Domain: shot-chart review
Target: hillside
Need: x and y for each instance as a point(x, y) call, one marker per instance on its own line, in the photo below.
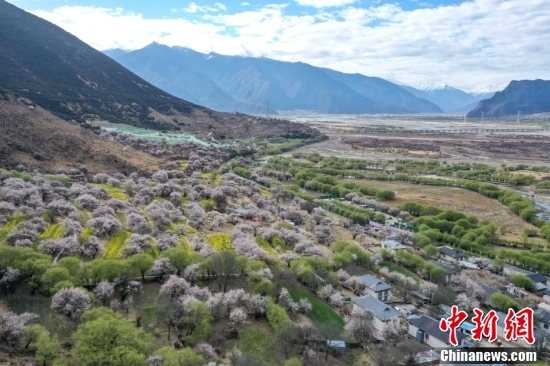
point(526, 96)
point(36, 138)
point(246, 84)
point(62, 74)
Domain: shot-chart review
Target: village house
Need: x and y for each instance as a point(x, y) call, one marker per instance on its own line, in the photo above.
point(546, 294)
point(392, 245)
point(508, 270)
point(451, 255)
point(449, 271)
point(501, 331)
point(540, 280)
point(425, 329)
point(376, 288)
point(382, 312)
point(542, 318)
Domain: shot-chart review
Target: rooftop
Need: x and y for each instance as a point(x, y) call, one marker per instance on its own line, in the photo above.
point(517, 269)
point(393, 244)
point(537, 277)
point(374, 283)
point(381, 310)
point(449, 252)
point(446, 268)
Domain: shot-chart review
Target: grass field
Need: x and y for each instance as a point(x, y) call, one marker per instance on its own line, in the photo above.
point(458, 199)
point(255, 339)
point(113, 192)
point(320, 312)
point(116, 245)
point(265, 246)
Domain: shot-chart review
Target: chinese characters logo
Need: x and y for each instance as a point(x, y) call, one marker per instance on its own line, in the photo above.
point(516, 325)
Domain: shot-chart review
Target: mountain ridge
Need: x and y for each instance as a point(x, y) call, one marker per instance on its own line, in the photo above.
point(60, 73)
point(255, 81)
point(525, 96)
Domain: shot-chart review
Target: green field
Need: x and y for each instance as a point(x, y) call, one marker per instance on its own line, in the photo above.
point(254, 339)
point(320, 312)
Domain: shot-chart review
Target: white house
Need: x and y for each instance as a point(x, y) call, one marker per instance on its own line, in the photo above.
point(382, 312)
point(376, 288)
point(425, 329)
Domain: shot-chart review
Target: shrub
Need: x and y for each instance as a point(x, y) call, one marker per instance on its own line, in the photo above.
point(277, 316)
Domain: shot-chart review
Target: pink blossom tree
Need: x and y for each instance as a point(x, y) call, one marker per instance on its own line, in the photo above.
point(72, 302)
point(174, 287)
point(104, 291)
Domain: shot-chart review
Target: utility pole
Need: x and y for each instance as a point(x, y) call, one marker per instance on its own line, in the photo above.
point(518, 116)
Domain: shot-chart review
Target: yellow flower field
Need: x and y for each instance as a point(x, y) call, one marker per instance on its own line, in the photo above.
point(116, 244)
point(220, 241)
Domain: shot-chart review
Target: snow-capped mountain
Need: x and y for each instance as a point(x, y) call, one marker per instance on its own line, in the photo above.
point(448, 98)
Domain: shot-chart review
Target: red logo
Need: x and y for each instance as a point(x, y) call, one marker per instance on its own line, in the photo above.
point(519, 325)
point(485, 326)
point(453, 322)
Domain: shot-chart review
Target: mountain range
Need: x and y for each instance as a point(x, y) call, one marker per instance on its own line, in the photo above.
point(524, 96)
point(54, 69)
point(448, 98)
point(247, 85)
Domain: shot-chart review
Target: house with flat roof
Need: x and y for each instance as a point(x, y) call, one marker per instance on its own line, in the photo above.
point(376, 287)
point(425, 329)
point(382, 312)
point(451, 255)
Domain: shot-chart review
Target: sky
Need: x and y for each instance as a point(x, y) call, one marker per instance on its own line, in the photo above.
point(469, 45)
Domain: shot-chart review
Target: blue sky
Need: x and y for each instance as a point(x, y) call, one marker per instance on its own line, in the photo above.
point(467, 44)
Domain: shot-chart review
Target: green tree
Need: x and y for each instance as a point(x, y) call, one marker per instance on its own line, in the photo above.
point(179, 258)
point(185, 357)
point(71, 263)
point(195, 322)
point(380, 218)
point(141, 263)
point(523, 281)
point(430, 251)
point(106, 338)
point(385, 195)
point(503, 302)
point(277, 316)
point(33, 332)
point(53, 276)
point(264, 287)
point(47, 347)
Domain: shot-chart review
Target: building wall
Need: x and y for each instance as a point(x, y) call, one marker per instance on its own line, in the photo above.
point(378, 295)
point(377, 323)
point(431, 341)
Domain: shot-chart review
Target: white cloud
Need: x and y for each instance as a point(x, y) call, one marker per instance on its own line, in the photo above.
point(325, 3)
point(245, 4)
point(469, 45)
point(194, 8)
